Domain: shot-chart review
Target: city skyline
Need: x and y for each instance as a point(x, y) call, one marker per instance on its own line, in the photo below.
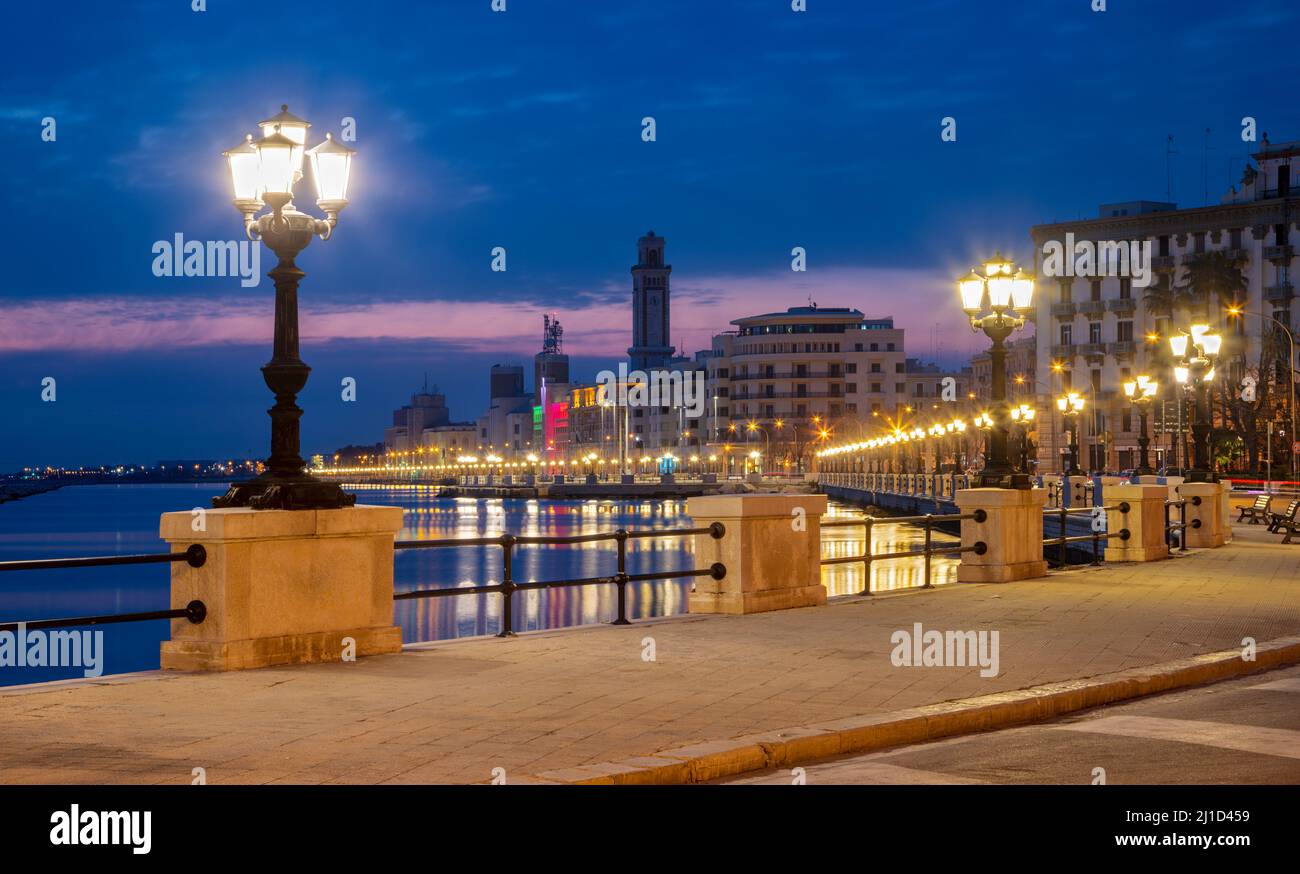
point(473, 133)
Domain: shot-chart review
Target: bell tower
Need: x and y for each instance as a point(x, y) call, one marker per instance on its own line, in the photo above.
point(650, 327)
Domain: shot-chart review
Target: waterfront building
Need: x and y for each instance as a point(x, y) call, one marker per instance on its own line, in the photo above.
point(780, 378)
point(427, 409)
point(1094, 332)
point(507, 427)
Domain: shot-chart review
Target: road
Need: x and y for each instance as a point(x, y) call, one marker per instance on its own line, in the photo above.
point(1240, 732)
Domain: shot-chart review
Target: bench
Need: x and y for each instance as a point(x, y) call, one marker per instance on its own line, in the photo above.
point(1256, 512)
point(1276, 520)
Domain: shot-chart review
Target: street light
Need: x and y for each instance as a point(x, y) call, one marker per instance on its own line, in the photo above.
point(1141, 392)
point(1195, 353)
point(1023, 415)
point(1009, 293)
point(1071, 405)
point(263, 173)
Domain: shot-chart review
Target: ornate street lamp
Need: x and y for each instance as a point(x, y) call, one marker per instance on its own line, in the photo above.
point(1023, 415)
point(1071, 405)
point(1141, 392)
point(1194, 356)
point(1009, 293)
point(263, 173)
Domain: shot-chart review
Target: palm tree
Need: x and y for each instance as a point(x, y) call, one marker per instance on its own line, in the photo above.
point(1213, 278)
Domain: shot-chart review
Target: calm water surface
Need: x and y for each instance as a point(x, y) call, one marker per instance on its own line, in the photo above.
point(114, 520)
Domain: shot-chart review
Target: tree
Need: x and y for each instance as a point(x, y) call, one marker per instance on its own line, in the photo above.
point(1249, 418)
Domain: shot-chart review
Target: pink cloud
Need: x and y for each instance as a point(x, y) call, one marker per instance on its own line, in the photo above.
point(599, 326)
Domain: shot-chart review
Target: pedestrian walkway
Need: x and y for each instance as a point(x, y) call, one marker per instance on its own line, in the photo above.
point(563, 705)
point(1242, 731)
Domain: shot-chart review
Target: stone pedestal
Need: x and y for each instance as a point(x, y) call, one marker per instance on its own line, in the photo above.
point(772, 551)
point(1145, 521)
point(1012, 532)
point(1077, 491)
point(283, 586)
point(1212, 511)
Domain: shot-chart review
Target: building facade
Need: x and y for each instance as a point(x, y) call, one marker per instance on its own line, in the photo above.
point(1095, 332)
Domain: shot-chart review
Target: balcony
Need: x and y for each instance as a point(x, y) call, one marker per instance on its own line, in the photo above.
point(1279, 293)
point(1120, 347)
point(1163, 262)
point(1121, 305)
point(811, 374)
point(1068, 350)
point(1092, 349)
point(1092, 307)
point(1237, 254)
point(1279, 253)
point(1065, 310)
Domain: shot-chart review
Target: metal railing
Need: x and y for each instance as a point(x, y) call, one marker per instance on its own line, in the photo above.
point(1182, 525)
point(507, 587)
point(927, 551)
point(1062, 540)
point(195, 611)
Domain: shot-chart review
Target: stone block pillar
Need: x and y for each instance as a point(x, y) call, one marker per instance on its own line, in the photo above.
point(1012, 532)
point(772, 551)
point(283, 586)
point(1211, 511)
point(1145, 521)
point(1204, 505)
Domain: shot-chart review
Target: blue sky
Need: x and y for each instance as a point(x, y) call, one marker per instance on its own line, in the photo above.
point(522, 129)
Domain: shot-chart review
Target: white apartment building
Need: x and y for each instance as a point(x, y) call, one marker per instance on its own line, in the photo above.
point(806, 368)
point(1096, 332)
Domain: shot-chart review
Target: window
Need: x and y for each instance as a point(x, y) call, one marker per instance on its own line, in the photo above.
point(851, 367)
point(1126, 419)
point(1095, 287)
point(1234, 237)
point(857, 347)
point(1162, 249)
point(1124, 331)
point(900, 388)
point(875, 388)
point(875, 367)
point(889, 347)
point(919, 390)
point(834, 371)
point(1125, 288)
point(900, 368)
point(1067, 334)
point(1067, 290)
point(852, 387)
point(875, 347)
point(1096, 381)
point(1094, 332)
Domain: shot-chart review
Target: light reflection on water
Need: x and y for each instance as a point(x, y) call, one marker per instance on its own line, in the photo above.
point(107, 520)
point(890, 575)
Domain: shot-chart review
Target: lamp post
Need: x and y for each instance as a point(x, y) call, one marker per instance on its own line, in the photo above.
point(1071, 405)
point(264, 172)
point(1023, 415)
point(1194, 356)
point(1010, 295)
point(1290, 339)
point(1141, 391)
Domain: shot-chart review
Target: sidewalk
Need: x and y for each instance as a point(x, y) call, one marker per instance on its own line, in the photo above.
point(549, 703)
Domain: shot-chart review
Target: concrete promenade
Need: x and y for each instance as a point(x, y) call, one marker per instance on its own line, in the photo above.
point(578, 704)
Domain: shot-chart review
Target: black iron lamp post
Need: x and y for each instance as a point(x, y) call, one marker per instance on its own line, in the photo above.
point(1071, 405)
point(1141, 391)
point(1010, 295)
point(1023, 415)
point(264, 172)
point(1194, 355)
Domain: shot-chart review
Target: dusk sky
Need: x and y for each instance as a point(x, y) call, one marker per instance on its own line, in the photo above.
point(522, 129)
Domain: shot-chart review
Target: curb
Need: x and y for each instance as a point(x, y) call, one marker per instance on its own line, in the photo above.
point(712, 760)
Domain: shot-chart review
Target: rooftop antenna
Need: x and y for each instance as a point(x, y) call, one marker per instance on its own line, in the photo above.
point(1205, 165)
point(1169, 150)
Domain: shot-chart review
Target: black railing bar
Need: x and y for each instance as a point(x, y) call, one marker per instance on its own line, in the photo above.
point(560, 584)
point(437, 544)
point(195, 555)
point(715, 529)
point(877, 520)
point(1082, 538)
point(444, 593)
point(944, 550)
point(195, 611)
point(717, 571)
